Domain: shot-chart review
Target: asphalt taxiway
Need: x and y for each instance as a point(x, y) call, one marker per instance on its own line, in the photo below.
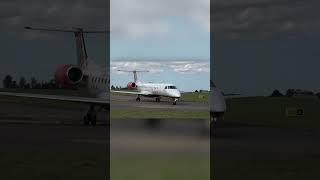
point(51, 126)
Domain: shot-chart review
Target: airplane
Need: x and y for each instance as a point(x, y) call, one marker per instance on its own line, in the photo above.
point(217, 104)
point(151, 90)
point(86, 75)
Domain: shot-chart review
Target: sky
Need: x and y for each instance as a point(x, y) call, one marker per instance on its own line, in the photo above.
point(256, 45)
point(261, 45)
point(169, 38)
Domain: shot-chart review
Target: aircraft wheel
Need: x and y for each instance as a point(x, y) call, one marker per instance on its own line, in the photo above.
point(157, 99)
point(138, 99)
point(174, 103)
point(94, 120)
point(86, 120)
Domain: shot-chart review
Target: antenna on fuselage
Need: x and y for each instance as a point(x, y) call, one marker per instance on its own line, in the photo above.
point(135, 76)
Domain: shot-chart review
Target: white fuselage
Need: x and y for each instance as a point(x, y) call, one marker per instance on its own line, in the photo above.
point(97, 80)
point(158, 89)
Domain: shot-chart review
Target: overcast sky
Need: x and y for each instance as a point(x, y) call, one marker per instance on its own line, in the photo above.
point(261, 45)
point(258, 45)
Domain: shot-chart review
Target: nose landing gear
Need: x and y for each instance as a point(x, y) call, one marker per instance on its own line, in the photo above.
point(175, 101)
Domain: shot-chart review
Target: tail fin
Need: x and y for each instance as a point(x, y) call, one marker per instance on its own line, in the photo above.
point(81, 48)
point(135, 75)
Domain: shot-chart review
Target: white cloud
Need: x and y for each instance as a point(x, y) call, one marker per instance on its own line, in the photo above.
point(153, 67)
point(183, 67)
point(191, 67)
point(150, 17)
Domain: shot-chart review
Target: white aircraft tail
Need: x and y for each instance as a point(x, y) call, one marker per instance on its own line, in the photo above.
point(81, 48)
point(80, 43)
point(135, 76)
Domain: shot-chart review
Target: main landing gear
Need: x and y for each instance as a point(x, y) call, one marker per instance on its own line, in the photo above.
point(138, 98)
point(91, 116)
point(157, 99)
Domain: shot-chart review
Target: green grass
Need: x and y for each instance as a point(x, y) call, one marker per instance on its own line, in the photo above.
point(150, 113)
point(262, 168)
point(197, 97)
point(66, 92)
point(272, 111)
point(42, 102)
point(52, 165)
point(160, 168)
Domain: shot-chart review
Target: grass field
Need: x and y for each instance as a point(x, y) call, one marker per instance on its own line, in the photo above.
point(271, 111)
point(52, 165)
point(46, 91)
point(160, 168)
point(195, 96)
point(293, 168)
point(161, 114)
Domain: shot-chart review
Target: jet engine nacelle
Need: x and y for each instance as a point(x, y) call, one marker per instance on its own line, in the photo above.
point(132, 85)
point(68, 74)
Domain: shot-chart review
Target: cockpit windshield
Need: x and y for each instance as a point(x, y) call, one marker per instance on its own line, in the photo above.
point(172, 87)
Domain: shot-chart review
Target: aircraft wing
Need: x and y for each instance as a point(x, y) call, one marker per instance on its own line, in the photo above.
point(99, 101)
point(133, 92)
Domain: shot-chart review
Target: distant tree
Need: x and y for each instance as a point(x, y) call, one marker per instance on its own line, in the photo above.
point(290, 92)
point(308, 93)
point(44, 85)
point(52, 84)
point(112, 87)
point(22, 82)
point(34, 82)
point(27, 86)
point(276, 93)
point(14, 84)
point(37, 86)
point(196, 91)
point(311, 93)
point(7, 81)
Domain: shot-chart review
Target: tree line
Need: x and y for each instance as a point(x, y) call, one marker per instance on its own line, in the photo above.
point(294, 92)
point(9, 82)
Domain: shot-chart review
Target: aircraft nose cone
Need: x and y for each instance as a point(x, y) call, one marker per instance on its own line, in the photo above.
point(178, 94)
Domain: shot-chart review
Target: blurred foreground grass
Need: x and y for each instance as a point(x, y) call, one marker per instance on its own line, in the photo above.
point(265, 168)
point(158, 113)
point(52, 165)
point(271, 111)
point(160, 168)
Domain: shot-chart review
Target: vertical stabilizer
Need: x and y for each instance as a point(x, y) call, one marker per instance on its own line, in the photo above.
point(135, 76)
point(81, 48)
